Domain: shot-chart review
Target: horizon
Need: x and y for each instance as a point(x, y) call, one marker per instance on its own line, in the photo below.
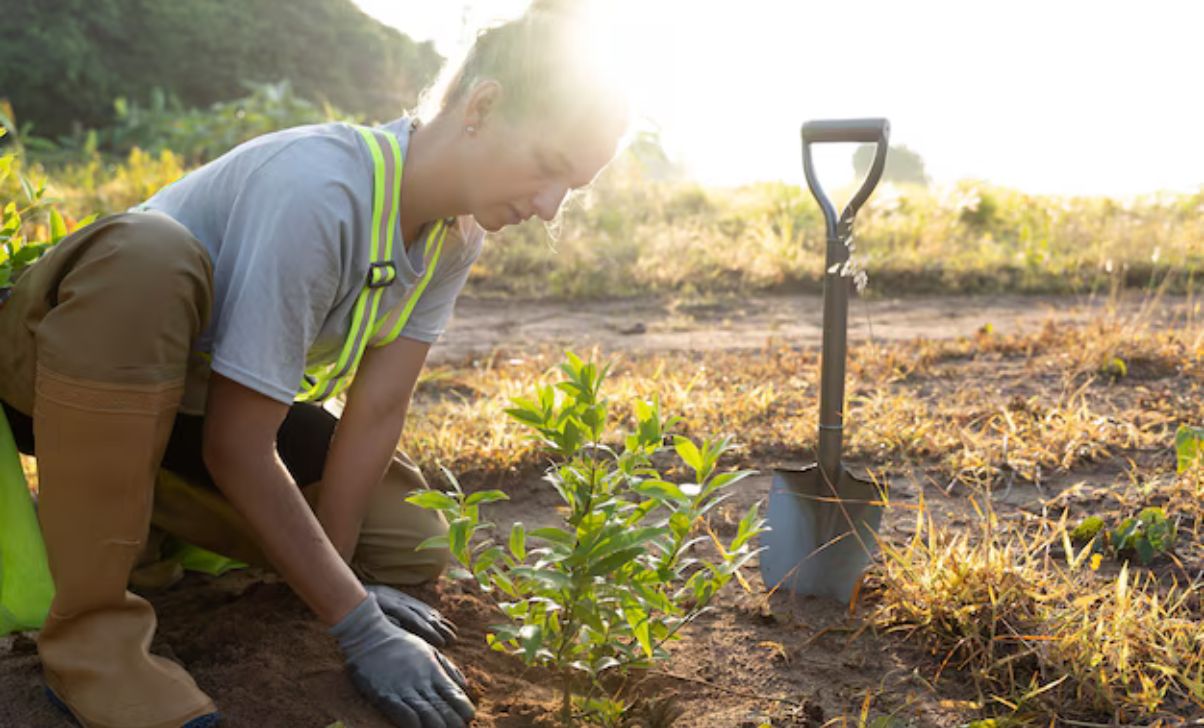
point(955, 75)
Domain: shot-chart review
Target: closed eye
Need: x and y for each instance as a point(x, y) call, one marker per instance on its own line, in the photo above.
point(546, 167)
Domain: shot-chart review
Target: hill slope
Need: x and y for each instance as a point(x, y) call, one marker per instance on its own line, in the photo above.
point(64, 61)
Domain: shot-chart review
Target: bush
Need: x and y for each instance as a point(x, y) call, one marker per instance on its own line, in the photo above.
point(29, 221)
point(623, 576)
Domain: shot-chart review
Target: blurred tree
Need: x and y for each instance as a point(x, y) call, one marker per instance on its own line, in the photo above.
point(902, 164)
point(63, 62)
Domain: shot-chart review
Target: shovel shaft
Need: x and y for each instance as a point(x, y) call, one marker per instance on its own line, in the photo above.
point(836, 284)
point(831, 379)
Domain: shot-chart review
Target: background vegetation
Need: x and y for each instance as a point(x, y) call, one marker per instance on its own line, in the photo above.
point(72, 58)
point(643, 230)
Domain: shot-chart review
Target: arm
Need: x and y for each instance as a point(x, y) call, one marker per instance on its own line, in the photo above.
point(367, 436)
point(239, 447)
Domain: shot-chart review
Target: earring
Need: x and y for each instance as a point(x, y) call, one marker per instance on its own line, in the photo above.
point(470, 130)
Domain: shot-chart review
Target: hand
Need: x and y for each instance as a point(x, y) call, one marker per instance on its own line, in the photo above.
point(413, 615)
point(404, 677)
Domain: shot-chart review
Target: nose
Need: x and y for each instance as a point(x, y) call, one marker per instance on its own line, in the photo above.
point(547, 201)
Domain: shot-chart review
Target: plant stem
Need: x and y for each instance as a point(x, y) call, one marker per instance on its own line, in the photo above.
point(566, 714)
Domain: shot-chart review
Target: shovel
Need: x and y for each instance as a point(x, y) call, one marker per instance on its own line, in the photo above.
point(823, 519)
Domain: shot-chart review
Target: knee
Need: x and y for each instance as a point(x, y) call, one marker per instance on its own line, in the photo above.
point(387, 552)
point(135, 297)
point(161, 261)
point(431, 563)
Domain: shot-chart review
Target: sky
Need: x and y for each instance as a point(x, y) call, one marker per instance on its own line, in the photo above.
point(1049, 96)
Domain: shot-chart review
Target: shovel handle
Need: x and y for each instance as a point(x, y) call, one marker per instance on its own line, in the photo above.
point(866, 131)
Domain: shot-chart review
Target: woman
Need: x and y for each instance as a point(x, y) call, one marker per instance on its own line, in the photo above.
point(199, 317)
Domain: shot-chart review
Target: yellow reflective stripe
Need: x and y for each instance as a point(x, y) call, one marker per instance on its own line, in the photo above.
point(332, 380)
point(436, 233)
point(378, 204)
point(441, 231)
point(353, 348)
point(395, 208)
point(389, 224)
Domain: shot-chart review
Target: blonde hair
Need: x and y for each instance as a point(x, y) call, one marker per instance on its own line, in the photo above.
point(543, 61)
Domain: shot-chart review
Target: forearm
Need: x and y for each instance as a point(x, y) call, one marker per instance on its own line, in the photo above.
point(366, 437)
point(260, 487)
point(359, 456)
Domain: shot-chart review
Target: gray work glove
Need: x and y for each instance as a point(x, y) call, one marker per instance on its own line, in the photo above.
point(413, 615)
point(404, 677)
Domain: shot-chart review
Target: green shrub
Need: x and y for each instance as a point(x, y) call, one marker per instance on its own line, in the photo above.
point(29, 221)
point(624, 574)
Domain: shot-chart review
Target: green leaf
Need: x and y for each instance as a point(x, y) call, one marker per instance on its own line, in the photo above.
point(547, 577)
point(457, 538)
point(433, 500)
point(1144, 550)
point(58, 228)
point(518, 541)
point(688, 452)
point(451, 478)
point(1189, 444)
point(680, 524)
point(1087, 529)
point(724, 480)
point(27, 254)
point(486, 496)
point(1122, 535)
point(555, 535)
point(434, 542)
point(613, 561)
point(1159, 531)
point(527, 416)
point(637, 619)
point(749, 526)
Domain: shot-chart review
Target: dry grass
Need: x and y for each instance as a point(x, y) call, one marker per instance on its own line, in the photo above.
point(1046, 637)
point(1045, 634)
point(636, 235)
point(975, 411)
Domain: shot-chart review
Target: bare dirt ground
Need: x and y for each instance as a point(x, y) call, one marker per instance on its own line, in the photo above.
point(253, 646)
point(656, 324)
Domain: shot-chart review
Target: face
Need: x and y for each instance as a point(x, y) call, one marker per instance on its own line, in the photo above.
point(524, 169)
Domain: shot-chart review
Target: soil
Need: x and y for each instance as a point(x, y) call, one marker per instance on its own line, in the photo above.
point(755, 659)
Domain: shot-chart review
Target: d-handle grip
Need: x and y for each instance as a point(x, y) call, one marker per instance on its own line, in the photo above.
point(866, 131)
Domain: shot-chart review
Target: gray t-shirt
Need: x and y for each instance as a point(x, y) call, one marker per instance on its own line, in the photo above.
point(286, 219)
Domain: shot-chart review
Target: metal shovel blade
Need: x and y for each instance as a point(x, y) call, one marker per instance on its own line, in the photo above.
point(822, 538)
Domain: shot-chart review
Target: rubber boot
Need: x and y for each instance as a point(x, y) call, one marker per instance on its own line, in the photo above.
point(98, 448)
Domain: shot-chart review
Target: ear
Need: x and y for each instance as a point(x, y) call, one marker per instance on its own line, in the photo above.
point(482, 103)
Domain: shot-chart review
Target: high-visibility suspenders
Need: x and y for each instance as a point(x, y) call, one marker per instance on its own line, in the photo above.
point(329, 380)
